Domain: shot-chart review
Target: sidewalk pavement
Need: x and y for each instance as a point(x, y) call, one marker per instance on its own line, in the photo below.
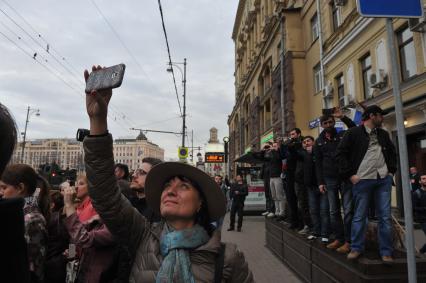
point(251, 241)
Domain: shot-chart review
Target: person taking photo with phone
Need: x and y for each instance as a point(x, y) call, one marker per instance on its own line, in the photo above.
point(94, 243)
point(184, 246)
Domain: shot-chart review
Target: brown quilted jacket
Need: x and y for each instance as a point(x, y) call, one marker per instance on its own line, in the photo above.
point(142, 238)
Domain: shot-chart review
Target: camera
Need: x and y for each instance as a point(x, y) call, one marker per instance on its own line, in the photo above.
point(81, 134)
point(329, 111)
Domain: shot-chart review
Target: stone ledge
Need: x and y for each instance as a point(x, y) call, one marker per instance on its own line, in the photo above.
point(312, 262)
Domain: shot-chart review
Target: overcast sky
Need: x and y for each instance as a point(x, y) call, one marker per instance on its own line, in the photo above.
point(199, 30)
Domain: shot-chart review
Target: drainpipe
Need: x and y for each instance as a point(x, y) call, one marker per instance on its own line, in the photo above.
point(324, 100)
point(283, 102)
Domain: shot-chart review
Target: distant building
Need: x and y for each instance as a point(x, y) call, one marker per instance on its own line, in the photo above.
point(68, 153)
point(132, 151)
point(214, 147)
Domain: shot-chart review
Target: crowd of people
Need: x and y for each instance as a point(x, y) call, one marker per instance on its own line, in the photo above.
point(162, 222)
point(162, 226)
point(328, 187)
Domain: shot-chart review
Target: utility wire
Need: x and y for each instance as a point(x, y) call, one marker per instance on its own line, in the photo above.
point(168, 52)
point(41, 37)
point(35, 41)
point(77, 78)
point(49, 70)
point(118, 37)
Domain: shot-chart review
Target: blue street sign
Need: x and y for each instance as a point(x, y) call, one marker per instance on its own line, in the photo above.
point(391, 8)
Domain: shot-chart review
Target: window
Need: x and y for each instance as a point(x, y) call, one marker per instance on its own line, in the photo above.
point(366, 72)
point(407, 53)
point(335, 13)
point(340, 82)
point(314, 27)
point(317, 78)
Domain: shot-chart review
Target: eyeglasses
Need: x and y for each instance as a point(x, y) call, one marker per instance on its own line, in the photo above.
point(329, 122)
point(140, 172)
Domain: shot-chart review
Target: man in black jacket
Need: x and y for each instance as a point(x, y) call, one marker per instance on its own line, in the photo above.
point(419, 206)
point(238, 194)
point(329, 181)
point(367, 157)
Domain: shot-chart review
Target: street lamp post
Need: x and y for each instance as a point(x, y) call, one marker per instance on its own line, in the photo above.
point(183, 73)
point(226, 151)
point(30, 111)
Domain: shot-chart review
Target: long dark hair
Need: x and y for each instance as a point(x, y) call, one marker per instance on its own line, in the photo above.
point(8, 136)
point(21, 173)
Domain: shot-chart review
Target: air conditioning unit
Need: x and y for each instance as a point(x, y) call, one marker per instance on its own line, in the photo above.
point(328, 90)
point(379, 80)
point(340, 2)
point(418, 24)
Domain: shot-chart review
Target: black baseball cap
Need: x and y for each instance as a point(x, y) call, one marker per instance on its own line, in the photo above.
point(373, 109)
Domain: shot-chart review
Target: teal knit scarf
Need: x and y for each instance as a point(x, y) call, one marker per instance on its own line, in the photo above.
point(174, 247)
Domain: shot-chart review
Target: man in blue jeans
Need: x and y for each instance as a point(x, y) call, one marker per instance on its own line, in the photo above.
point(367, 157)
point(329, 180)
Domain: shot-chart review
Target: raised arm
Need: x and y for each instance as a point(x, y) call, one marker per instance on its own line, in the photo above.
point(124, 222)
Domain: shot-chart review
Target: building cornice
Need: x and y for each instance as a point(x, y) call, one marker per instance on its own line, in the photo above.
point(238, 18)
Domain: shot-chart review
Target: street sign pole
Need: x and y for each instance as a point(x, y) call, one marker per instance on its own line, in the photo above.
point(403, 155)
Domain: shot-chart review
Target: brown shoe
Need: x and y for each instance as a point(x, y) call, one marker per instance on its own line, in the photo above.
point(353, 255)
point(334, 245)
point(345, 248)
point(387, 259)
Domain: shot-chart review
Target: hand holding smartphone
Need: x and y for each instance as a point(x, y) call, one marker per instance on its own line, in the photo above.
point(105, 78)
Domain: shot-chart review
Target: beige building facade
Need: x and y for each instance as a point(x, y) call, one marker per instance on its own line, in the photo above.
point(132, 151)
point(68, 153)
point(331, 57)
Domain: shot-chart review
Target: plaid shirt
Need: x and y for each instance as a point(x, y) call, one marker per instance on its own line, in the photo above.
point(36, 238)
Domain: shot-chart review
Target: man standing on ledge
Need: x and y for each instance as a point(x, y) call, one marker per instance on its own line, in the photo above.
point(238, 194)
point(367, 157)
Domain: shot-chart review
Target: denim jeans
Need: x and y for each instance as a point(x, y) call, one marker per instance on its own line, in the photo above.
point(362, 192)
point(319, 211)
point(341, 231)
point(423, 225)
point(303, 204)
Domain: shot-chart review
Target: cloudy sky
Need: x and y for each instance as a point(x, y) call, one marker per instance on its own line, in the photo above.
point(199, 30)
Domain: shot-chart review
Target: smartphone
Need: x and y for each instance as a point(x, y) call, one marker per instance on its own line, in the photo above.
point(106, 78)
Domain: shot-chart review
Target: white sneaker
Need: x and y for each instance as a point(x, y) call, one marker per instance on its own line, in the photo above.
point(265, 213)
point(324, 240)
point(305, 230)
point(270, 215)
point(311, 237)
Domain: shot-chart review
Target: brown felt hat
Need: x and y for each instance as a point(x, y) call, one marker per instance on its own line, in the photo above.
point(163, 172)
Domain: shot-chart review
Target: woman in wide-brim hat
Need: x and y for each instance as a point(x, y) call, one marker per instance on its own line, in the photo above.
point(184, 246)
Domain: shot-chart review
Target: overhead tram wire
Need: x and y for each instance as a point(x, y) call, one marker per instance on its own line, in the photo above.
point(41, 37)
point(35, 41)
point(49, 70)
point(118, 114)
point(20, 38)
point(76, 77)
point(116, 34)
point(170, 57)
